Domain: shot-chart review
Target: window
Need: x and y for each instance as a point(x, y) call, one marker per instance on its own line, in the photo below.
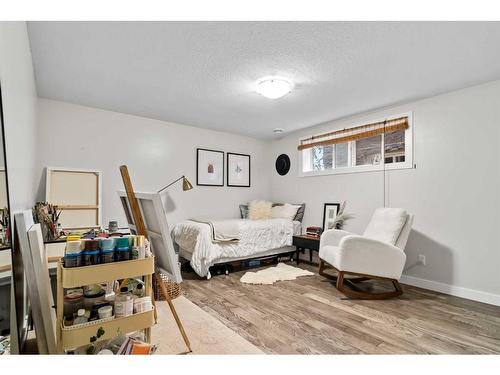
point(341, 155)
point(322, 158)
point(369, 151)
point(383, 144)
point(394, 147)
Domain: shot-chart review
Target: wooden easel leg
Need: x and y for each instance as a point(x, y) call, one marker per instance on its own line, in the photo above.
point(174, 312)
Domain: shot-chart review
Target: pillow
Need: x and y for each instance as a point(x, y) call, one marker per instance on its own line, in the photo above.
point(298, 217)
point(386, 224)
point(244, 211)
point(300, 212)
point(259, 210)
point(285, 211)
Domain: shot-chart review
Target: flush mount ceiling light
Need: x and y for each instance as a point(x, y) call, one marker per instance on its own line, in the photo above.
point(274, 87)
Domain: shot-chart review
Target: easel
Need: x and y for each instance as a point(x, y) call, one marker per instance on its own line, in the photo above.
point(141, 230)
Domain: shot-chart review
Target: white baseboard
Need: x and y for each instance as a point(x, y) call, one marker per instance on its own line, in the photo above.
point(458, 291)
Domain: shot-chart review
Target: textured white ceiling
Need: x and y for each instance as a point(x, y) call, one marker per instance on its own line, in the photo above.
point(203, 73)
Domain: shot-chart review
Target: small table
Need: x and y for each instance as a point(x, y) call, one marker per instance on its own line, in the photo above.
point(303, 242)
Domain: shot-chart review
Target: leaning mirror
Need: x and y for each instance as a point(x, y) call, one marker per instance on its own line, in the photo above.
point(5, 238)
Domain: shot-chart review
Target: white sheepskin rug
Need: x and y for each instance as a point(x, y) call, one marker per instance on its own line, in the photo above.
point(270, 275)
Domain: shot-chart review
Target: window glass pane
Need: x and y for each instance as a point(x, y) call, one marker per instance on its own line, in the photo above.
point(369, 150)
point(341, 155)
point(322, 158)
point(394, 147)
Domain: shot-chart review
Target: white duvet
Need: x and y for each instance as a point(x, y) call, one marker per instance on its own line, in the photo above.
point(256, 236)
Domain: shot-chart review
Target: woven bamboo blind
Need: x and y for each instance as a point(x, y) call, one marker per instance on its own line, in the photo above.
point(353, 134)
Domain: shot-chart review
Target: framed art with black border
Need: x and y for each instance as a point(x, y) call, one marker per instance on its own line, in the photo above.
point(238, 170)
point(209, 167)
point(330, 212)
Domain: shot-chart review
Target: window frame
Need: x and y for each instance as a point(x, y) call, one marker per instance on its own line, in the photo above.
point(407, 164)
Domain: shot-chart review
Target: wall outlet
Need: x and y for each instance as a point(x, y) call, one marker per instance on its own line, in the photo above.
point(421, 259)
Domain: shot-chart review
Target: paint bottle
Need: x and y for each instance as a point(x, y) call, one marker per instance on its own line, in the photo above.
point(134, 254)
point(139, 249)
point(147, 247)
point(139, 291)
point(72, 254)
point(80, 318)
point(105, 312)
point(107, 250)
point(122, 251)
point(91, 253)
point(124, 305)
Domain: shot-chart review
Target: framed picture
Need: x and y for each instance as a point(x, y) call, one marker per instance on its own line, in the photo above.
point(238, 170)
point(329, 214)
point(209, 167)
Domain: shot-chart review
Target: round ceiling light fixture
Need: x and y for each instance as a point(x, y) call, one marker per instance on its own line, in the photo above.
point(274, 87)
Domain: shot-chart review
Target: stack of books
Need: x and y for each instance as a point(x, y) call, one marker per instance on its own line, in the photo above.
point(134, 346)
point(314, 231)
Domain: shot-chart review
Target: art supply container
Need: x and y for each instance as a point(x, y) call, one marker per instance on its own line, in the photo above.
point(73, 300)
point(122, 251)
point(124, 304)
point(139, 291)
point(73, 237)
point(80, 318)
point(107, 250)
point(139, 249)
point(130, 238)
point(113, 226)
point(90, 257)
point(93, 298)
point(91, 252)
point(107, 256)
point(72, 254)
point(105, 312)
point(68, 320)
point(142, 304)
point(107, 243)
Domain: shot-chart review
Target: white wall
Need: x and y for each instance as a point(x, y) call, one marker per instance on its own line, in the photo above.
point(20, 113)
point(156, 153)
point(454, 191)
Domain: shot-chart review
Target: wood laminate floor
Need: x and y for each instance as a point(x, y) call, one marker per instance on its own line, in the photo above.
point(309, 316)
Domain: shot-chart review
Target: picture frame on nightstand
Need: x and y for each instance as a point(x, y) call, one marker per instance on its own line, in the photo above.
point(330, 212)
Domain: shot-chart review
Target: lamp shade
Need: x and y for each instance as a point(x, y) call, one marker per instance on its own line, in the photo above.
point(186, 185)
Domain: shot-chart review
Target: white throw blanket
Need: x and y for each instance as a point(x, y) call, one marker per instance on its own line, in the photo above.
point(222, 230)
point(256, 236)
point(270, 275)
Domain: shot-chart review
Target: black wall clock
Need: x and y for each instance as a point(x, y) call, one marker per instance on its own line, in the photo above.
point(282, 164)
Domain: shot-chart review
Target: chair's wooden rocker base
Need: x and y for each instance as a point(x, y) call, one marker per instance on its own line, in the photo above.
point(354, 291)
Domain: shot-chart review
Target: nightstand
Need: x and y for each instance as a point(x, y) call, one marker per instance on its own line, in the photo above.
point(304, 242)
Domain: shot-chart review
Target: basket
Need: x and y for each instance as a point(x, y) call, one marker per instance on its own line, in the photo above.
point(173, 289)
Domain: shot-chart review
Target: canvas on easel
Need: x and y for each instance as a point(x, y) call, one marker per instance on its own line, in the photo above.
point(158, 232)
point(135, 218)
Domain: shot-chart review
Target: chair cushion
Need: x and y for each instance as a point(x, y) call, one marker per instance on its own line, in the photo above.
point(331, 255)
point(386, 224)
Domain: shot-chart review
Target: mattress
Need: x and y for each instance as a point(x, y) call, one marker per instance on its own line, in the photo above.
point(257, 237)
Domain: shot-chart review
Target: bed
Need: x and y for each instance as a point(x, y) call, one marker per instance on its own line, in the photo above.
point(258, 238)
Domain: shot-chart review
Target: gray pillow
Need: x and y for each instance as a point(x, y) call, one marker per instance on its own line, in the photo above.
point(300, 212)
point(244, 211)
point(298, 216)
